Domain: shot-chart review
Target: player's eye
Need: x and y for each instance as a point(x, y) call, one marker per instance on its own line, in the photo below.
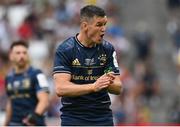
point(17, 53)
point(24, 52)
point(100, 24)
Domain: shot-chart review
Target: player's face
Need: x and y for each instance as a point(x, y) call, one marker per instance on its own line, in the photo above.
point(19, 56)
point(96, 29)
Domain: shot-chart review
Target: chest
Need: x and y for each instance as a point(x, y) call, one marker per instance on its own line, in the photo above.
point(19, 86)
point(89, 57)
point(88, 65)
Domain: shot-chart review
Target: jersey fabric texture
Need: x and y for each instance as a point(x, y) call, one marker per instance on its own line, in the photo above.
point(85, 65)
point(22, 89)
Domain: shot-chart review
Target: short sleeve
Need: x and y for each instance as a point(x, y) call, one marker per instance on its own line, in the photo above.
point(62, 63)
point(41, 83)
point(112, 62)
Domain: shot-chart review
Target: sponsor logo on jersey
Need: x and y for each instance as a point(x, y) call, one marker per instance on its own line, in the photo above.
point(26, 83)
point(89, 62)
point(9, 86)
point(76, 62)
point(89, 71)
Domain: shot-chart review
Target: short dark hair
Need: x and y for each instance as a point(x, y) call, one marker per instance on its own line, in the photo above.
point(90, 11)
point(19, 42)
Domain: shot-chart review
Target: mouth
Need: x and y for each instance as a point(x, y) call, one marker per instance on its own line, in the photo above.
point(21, 61)
point(102, 35)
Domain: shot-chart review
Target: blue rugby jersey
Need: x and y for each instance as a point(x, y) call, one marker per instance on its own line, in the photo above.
point(22, 89)
point(85, 65)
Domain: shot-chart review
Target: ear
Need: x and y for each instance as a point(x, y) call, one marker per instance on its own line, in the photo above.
point(10, 56)
point(84, 25)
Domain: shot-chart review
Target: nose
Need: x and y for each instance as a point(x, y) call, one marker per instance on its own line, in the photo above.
point(22, 55)
point(103, 28)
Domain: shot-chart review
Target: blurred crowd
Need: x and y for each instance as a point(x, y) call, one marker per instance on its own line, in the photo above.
point(45, 23)
point(173, 28)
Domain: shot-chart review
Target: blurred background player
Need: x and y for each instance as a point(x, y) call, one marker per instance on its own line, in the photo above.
point(27, 89)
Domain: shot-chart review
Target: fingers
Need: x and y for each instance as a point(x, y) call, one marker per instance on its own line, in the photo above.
point(103, 82)
point(111, 75)
point(27, 123)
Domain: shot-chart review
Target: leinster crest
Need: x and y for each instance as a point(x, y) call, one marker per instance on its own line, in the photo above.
point(102, 58)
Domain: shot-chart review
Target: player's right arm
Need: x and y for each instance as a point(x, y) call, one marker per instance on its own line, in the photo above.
point(64, 87)
point(8, 112)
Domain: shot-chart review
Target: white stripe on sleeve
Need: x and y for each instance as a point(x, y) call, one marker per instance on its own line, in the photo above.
point(42, 80)
point(114, 59)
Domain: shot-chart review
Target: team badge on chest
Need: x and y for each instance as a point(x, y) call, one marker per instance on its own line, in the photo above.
point(102, 58)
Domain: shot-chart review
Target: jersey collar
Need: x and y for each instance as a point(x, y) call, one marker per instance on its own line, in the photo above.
point(81, 43)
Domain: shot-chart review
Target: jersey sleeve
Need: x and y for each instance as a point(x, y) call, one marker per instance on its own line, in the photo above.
point(41, 82)
point(112, 63)
point(62, 62)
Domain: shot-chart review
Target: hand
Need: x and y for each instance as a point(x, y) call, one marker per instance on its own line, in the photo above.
point(31, 119)
point(103, 82)
point(111, 76)
point(27, 122)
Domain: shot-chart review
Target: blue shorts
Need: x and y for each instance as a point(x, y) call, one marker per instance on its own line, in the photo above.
point(71, 121)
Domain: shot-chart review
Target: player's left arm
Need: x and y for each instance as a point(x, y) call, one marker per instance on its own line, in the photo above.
point(116, 86)
point(42, 94)
point(43, 102)
point(41, 107)
point(112, 71)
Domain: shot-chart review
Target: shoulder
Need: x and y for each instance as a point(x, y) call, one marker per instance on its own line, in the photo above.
point(107, 45)
point(10, 74)
point(34, 71)
point(38, 78)
point(66, 45)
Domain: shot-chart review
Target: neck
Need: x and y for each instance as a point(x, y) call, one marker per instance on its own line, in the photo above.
point(19, 70)
point(83, 39)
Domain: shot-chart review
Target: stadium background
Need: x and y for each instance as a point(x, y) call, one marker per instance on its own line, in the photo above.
point(145, 33)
